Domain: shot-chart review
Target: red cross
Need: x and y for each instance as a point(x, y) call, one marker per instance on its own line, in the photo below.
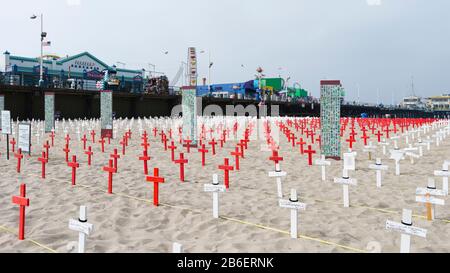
point(350, 141)
point(43, 160)
point(379, 134)
point(74, 165)
point(365, 137)
point(156, 180)
point(245, 141)
point(181, 161)
point(203, 151)
point(67, 138)
point(301, 143)
point(115, 156)
point(188, 145)
point(89, 153)
point(19, 157)
point(165, 142)
point(172, 147)
point(47, 147)
point(102, 141)
point(145, 158)
point(162, 134)
point(145, 145)
point(13, 143)
point(310, 152)
point(67, 151)
point(154, 131)
point(213, 146)
point(110, 169)
point(144, 136)
point(275, 158)
point(241, 145)
point(293, 138)
point(123, 143)
point(84, 139)
point(236, 155)
point(93, 136)
point(52, 136)
point(387, 130)
point(22, 202)
point(226, 168)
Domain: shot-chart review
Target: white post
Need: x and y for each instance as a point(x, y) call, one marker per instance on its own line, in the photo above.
point(405, 243)
point(215, 197)
point(294, 215)
point(279, 185)
point(397, 167)
point(445, 178)
point(345, 189)
point(324, 176)
point(378, 173)
point(177, 248)
point(82, 235)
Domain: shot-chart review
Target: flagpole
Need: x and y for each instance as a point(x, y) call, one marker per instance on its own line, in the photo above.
point(41, 72)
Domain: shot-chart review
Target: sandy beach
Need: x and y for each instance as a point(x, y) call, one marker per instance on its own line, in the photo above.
point(250, 218)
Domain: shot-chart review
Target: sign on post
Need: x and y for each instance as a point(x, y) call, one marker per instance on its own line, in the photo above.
point(6, 122)
point(25, 137)
point(106, 105)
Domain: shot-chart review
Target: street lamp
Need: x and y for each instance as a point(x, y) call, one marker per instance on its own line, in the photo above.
point(154, 69)
point(43, 35)
point(210, 64)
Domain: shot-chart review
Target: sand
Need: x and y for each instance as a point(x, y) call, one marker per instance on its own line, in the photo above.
point(251, 220)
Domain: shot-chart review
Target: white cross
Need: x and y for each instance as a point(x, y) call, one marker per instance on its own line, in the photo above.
point(378, 167)
point(215, 188)
point(406, 228)
point(294, 205)
point(83, 227)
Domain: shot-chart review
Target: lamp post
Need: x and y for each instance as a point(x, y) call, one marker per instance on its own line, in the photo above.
point(43, 35)
point(210, 64)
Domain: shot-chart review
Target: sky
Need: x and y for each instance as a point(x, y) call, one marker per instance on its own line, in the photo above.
point(374, 46)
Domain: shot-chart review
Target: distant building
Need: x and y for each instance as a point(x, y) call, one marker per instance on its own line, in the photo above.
point(439, 103)
point(81, 71)
point(413, 102)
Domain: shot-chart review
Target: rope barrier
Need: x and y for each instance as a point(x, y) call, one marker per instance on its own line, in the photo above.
point(8, 230)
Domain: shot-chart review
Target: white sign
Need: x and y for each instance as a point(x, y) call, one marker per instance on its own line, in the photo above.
point(6, 122)
point(291, 205)
point(345, 181)
point(76, 225)
point(378, 167)
point(321, 162)
point(277, 174)
point(24, 137)
point(390, 225)
point(424, 191)
point(214, 188)
point(349, 161)
point(442, 173)
point(430, 199)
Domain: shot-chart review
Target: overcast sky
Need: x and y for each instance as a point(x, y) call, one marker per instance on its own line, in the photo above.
point(373, 44)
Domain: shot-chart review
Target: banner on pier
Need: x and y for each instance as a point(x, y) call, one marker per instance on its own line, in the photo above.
point(49, 102)
point(106, 104)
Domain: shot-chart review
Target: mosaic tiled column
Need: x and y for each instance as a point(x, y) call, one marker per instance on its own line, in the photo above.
point(106, 105)
point(189, 108)
point(49, 101)
point(2, 107)
point(330, 115)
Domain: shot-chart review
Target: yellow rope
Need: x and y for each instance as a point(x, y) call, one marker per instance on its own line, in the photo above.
point(29, 240)
point(382, 210)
